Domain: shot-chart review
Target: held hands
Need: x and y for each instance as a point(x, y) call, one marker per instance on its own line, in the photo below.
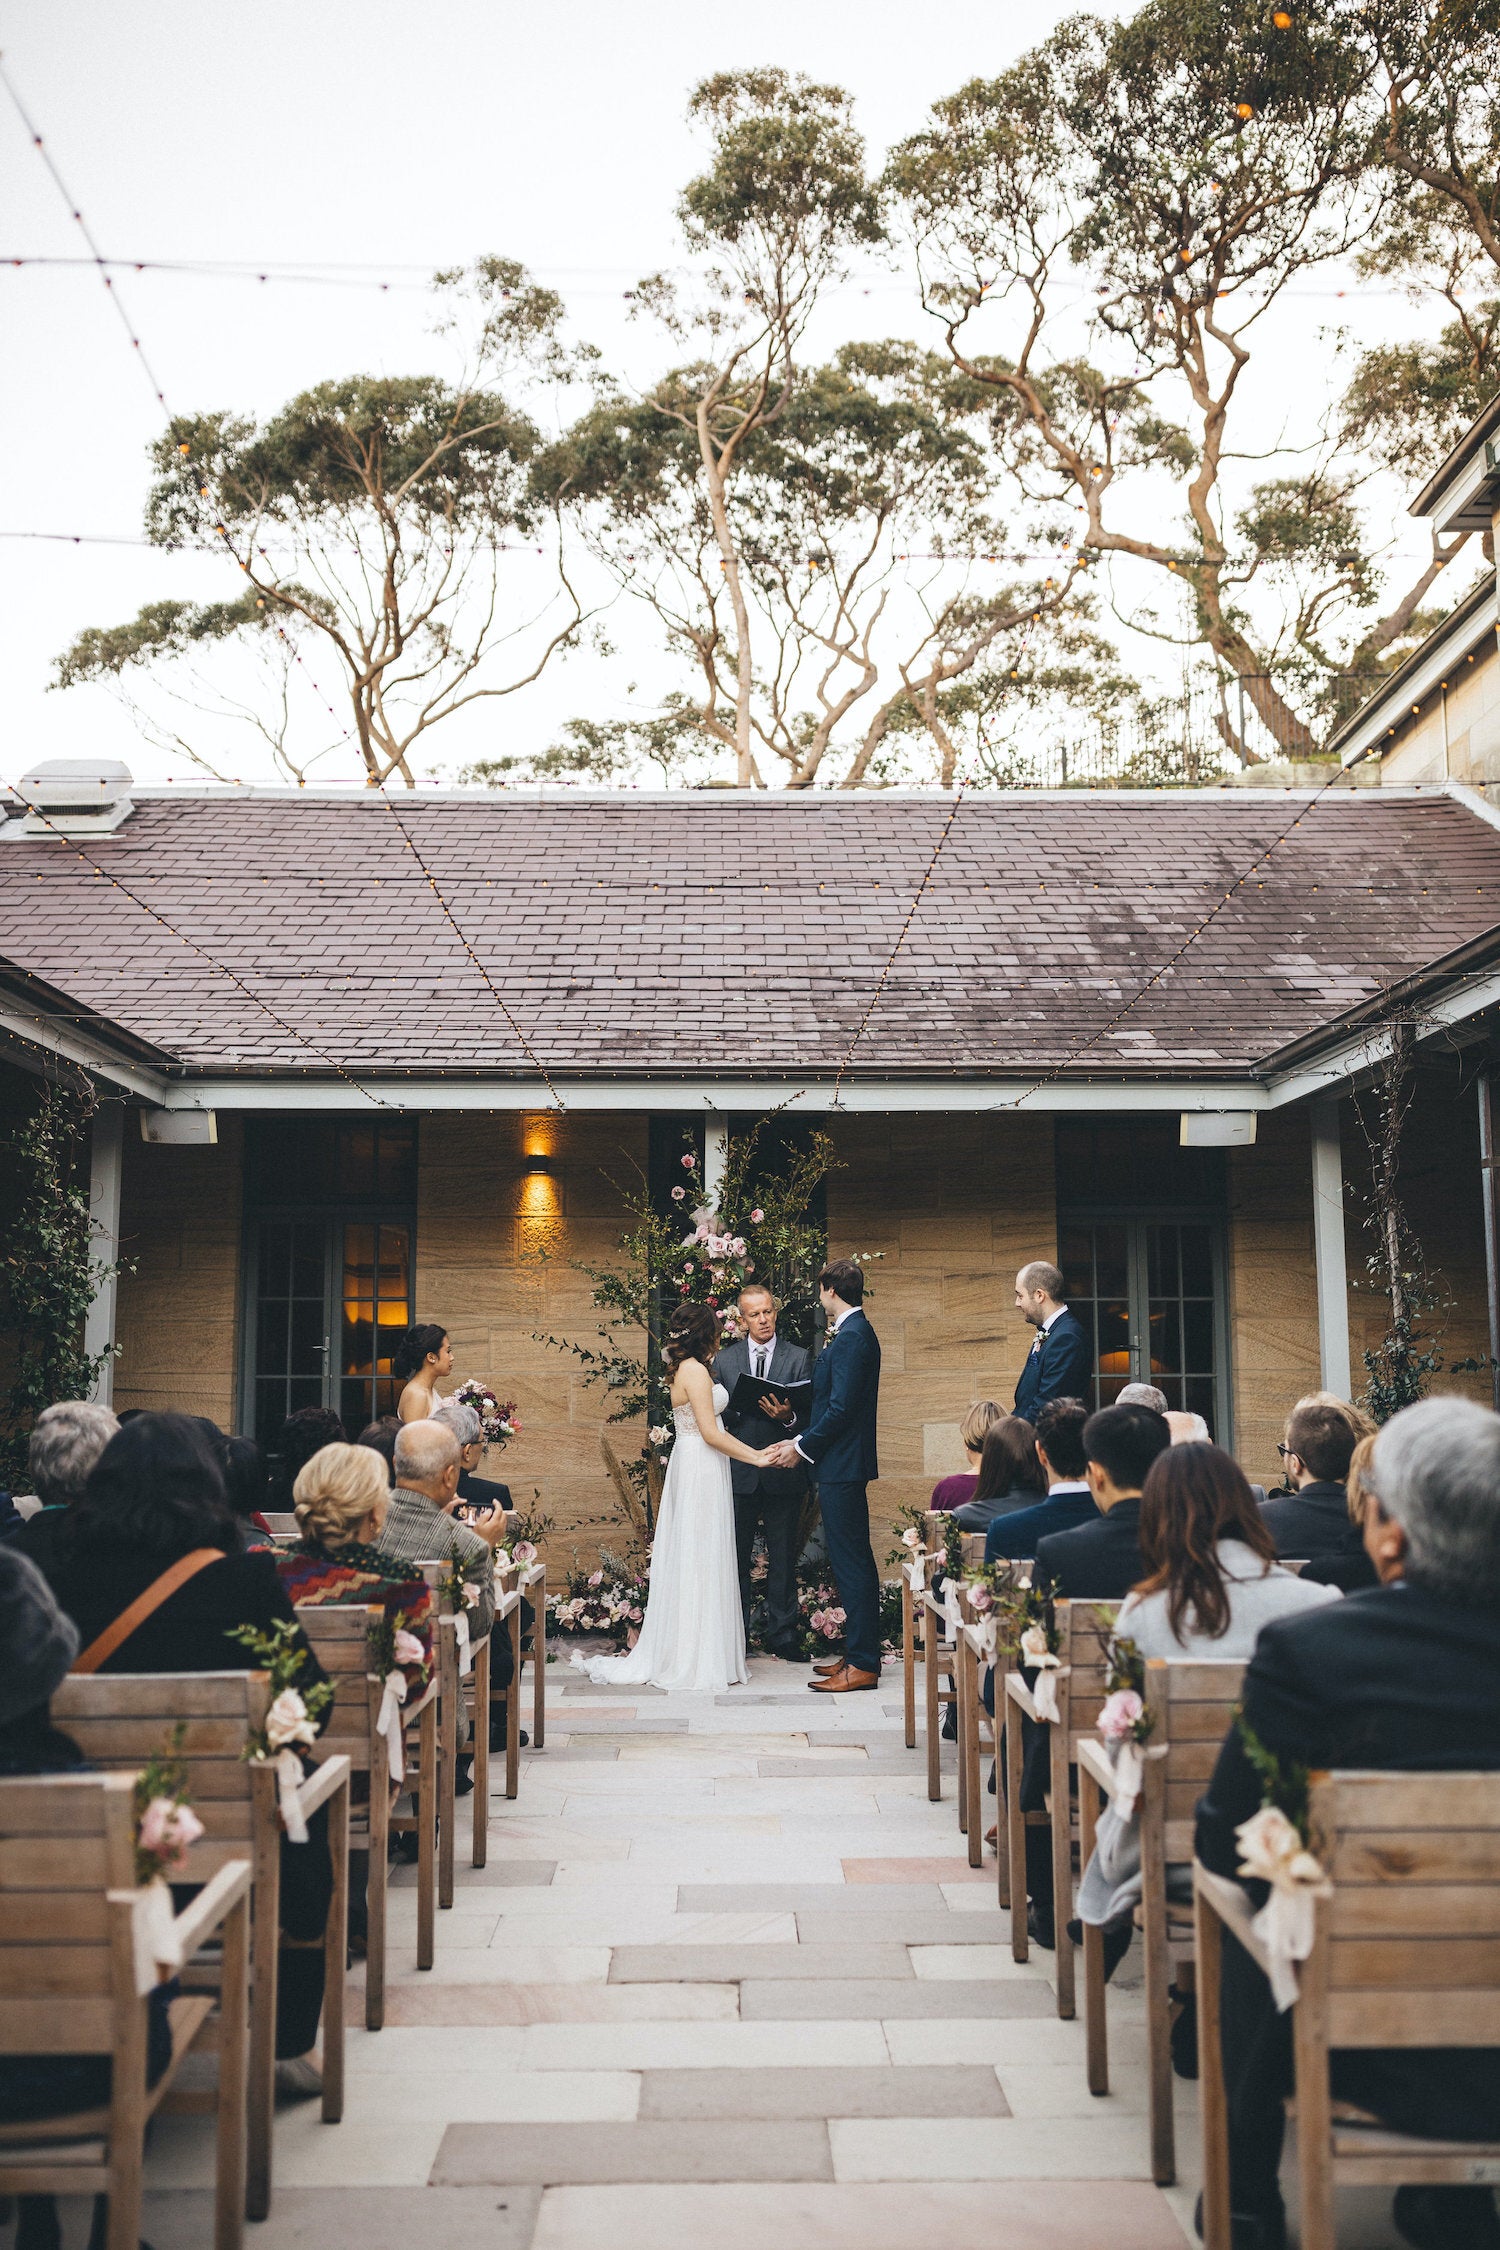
point(783, 1456)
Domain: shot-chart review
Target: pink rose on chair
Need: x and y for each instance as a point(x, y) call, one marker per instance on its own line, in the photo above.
point(406, 1648)
point(1118, 1714)
point(167, 1830)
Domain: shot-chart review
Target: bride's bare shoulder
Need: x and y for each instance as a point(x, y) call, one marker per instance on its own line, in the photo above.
point(691, 1380)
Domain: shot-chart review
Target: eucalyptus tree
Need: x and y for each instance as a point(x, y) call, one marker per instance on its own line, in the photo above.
point(869, 564)
point(1102, 232)
point(369, 519)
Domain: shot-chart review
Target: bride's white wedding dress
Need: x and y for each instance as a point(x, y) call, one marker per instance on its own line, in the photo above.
point(693, 1639)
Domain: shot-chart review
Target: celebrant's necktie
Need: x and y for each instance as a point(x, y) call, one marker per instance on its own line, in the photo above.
point(762, 1362)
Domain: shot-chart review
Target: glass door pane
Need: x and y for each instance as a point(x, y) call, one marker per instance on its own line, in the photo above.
point(1180, 1314)
point(375, 1300)
point(291, 1322)
point(1146, 1291)
point(1095, 1259)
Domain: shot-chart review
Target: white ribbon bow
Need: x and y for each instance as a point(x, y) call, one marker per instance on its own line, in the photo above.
point(393, 1695)
point(463, 1640)
point(1271, 1851)
point(952, 1618)
point(288, 1786)
point(915, 1571)
point(1037, 1657)
point(987, 1628)
point(156, 1943)
point(1130, 1774)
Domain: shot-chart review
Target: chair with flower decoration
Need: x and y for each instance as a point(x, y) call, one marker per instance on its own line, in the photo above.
point(371, 1729)
point(938, 1617)
point(513, 1580)
point(982, 1647)
point(121, 1719)
point(1187, 1708)
point(916, 1569)
point(82, 1945)
point(1403, 1902)
point(1064, 1700)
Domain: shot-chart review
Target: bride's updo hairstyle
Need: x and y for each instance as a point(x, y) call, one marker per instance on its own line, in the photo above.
point(411, 1352)
point(694, 1334)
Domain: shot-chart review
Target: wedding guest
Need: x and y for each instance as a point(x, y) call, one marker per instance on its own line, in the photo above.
point(247, 1487)
point(950, 1493)
point(474, 1491)
point(1351, 1573)
point(342, 1500)
point(1141, 1394)
point(1313, 1518)
point(156, 1499)
point(1405, 1677)
point(381, 1438)
point(302, 1434)
point(1011, 1476)
point(1101, 1561)
point(1059, 1448)
point(1060, 1363)
point(1211, 1583)
point(420, 1525)
point(422, 1358)
point(1188, 1429)
point(66, 1440)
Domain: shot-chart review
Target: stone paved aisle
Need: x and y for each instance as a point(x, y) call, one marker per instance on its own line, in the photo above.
point(727, 1981)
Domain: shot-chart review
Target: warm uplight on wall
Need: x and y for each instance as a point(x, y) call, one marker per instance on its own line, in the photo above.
point(539, 1198)
point(538, 1136)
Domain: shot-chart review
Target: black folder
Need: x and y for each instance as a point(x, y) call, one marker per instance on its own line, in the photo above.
point(751, 1389)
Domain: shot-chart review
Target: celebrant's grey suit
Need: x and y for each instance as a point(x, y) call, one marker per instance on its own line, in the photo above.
point(768, 1500)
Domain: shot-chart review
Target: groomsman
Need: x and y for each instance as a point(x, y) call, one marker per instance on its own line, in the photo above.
point(1059, 1362)
point(766, 1500)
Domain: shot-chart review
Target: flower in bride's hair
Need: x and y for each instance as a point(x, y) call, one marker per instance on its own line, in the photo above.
point(678, 1193)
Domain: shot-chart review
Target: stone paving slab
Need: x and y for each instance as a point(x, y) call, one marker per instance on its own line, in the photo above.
point(766, 2000)
point(654, 2149)
point(805, 1898)
point(560, 1751)
point(499, 1875)
point(477, 2006)
point(831, 1764)
point(726, 1964)
point(916, 1871)
point(614, 1722)
point(961, 2090)
point(1041, 2215)
point(815, 1927)
point(313, 2218)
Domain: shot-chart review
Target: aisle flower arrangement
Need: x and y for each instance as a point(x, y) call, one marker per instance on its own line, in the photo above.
point(610, 1599)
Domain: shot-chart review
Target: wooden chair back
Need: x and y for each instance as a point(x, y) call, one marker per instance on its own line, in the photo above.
point(1192, 1704)
point(121, 1719)
point(76, 1972)
point(1084, 1630)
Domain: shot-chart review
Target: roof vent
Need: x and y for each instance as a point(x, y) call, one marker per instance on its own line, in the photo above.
point(72, 797)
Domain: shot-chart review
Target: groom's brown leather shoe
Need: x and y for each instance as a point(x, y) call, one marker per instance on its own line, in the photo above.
point(843, 1680)
point(823, 1665)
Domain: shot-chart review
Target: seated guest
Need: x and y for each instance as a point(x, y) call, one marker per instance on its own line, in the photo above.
point(247, 1487)
point(380, 1437)
point(1059, 1447)
point(1407, 1677)
point(1101, 1561)
point(1352, 1573)
point(421, 1527)
point(1011, 1477)
point(1188, 1429)
point(950, 1493)
point(1313, 1518)
point(474, 1491)
point(301, 1436)
point(156, 1498)
point(66, 1441)
point(1211, 1583)
point(1141, 1394)
point(342, 1498)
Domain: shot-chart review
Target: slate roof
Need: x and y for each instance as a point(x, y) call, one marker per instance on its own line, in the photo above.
point(723, 934)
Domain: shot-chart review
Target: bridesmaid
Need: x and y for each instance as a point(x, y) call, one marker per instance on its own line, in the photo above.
point(424, 1355)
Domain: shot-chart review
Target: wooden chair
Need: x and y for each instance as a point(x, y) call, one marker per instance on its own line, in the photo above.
point(976, 1650)
point(1191, 1705)
point(122, 1719)
point(339, 1639)
point(457, 1660)
point(1083, 1630)
point(72, 1929)
point(508, 1585)
point(940, 1661)
point(913, 1622)
point(533, 1584)
point(1404, 1955)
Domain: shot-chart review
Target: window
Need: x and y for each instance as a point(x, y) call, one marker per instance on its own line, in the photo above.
point(1140, 1242)
point(330, 1225)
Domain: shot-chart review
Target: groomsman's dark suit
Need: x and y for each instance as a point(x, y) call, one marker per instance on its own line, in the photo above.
point(1058, 1365)
point(768, 1499)
point(840, 1443)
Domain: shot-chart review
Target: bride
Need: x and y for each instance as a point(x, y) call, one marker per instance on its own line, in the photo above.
point(693, 1639)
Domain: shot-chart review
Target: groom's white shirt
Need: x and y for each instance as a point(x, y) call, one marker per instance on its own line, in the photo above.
point(850, 1312)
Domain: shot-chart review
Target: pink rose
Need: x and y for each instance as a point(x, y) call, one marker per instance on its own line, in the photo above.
point(406, 1648)
point(597, 1578)
point(756, 1217)
point(981, 1598)
point(167, 1829)
point(690, 1163)
point(524, 1551)
point(678, 1193)
point(1118, 1714)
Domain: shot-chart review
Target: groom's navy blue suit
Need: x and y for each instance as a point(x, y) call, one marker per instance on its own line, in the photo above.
point(839, 1441)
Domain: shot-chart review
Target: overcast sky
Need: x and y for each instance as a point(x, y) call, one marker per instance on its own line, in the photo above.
point(395, 139)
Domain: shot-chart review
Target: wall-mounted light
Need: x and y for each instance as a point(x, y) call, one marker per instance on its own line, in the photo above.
point(539, 1164)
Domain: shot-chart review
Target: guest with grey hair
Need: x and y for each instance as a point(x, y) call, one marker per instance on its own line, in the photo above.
point(420, 1525)
point(474, 1491)
point(1142, 1394)
point(1405, 1676)
point(66, 1441)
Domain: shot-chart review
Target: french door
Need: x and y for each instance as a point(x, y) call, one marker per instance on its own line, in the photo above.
point(330, 1299)
point(1149, 1290)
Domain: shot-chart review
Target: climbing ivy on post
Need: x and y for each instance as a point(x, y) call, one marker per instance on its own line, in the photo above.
point(48, 1274)
point(1408, 1355)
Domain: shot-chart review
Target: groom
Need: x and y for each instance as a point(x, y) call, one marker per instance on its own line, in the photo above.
point(839, 1445)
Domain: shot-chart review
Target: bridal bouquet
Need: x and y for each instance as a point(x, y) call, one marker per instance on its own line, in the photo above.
point(497, 1422)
